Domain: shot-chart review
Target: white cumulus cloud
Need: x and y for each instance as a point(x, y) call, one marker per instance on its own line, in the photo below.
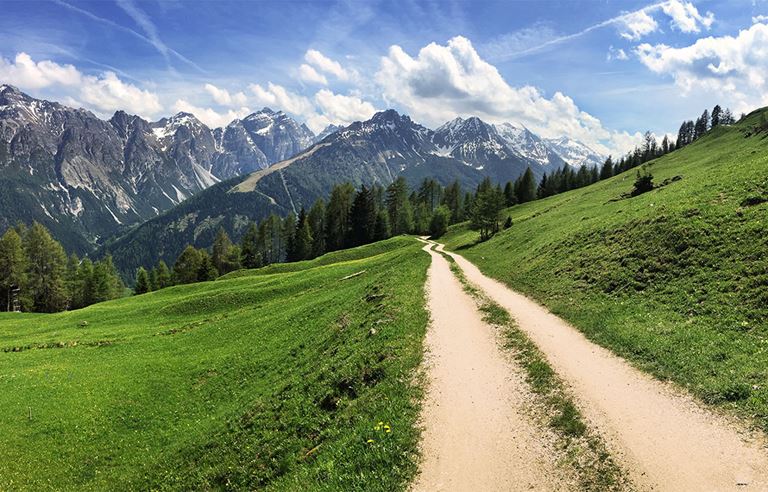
point(223, 97)
point(278, 97)
point(635, 25)
point(325, 64)
point(103, 93)
point(732, 67)
point(309, 74)
point(686, 17)
point(338, 109)
point(444, 81)
point(210, 116)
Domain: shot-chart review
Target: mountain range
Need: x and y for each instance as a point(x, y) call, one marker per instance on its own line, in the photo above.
point(144, 189)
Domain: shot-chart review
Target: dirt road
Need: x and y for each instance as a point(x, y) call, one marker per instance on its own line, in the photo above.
point(661, 436)
point(477, 436)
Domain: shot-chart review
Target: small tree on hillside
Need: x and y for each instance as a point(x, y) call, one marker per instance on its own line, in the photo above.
point(643, 182)
point(142, 282)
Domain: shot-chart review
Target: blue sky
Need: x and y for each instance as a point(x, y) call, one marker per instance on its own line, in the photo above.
point(599, 71)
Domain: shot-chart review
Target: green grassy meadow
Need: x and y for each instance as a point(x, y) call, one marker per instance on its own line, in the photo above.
point(675, 280)
point(287, 378)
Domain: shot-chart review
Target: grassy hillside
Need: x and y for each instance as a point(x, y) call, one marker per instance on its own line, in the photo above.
point(271, 379)
point(676, 280)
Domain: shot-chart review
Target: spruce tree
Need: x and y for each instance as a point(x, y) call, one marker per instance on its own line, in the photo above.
point(164, 278)
point(249, 248)
point(607, 170)
point(222, 247)
point(452, 199)
point(302, 249)
point(187, 266)
point(717, 113)
point(46, 263)
point(337, 216)
point(142, 282)
point(526, 187)
point(12, 267)
point(399, 207)
point(381, 229)
point(207, 269)
point(316, 219)
point(362, 218)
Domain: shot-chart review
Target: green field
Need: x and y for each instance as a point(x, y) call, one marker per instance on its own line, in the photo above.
point(273, 379)
point(675, 280)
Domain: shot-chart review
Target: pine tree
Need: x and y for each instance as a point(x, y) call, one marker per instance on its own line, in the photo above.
point(439, 223)
point(487, 206)
point(221, 256)
point(187, 266)
point(717, 113)
point(207, 269)
point(72, 281)
point(316, 218)
point(452, 199)
point(86, 294)
point(337, 216)
point(106, 281)
point(46, 263)
point(362, 218)
point(525, 190)
point(164, 278)
point(607, 170)
point(399, 207)
point(142, 282)
point(249, 249)
point(381, 229)
point(288, 233)
point(303, 239)
point(12, 266)
point(509, 194)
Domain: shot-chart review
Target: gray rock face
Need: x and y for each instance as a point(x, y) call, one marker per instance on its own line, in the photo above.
point(86, 178)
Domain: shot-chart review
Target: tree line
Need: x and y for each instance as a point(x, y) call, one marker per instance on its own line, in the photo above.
point(37, 275)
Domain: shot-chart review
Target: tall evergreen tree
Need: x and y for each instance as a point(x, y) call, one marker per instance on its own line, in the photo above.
point(106, 281)
point(46, 263)
point(249, 248)
point(163, 275)
point(12, 266)
point(606, 171)
point(316, 219)
point(452, 199)
point(142, 282)
point(525, 190)
point(222, 253)
point(187, 266)
point(362, 218)
point(337, 216)
point(302, 243)
point(399, 207)
point(207, 269)
point(381, 229)
point(717, 113)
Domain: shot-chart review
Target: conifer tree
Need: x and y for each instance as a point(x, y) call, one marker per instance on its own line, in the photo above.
point(222, 253)
point(12, 266)
point(381, 230)
point(187, 266)
point(46, 263)
point(607, 170)
point(399, 207)
point(316, 219)
point(207, 269)
point(164, 278)
point(302, 244)
point(525, 190)
point(452, 199)
point(142, 282)
point(440, 220)
point(249, 249)
point(362, 218)
point(337, 216)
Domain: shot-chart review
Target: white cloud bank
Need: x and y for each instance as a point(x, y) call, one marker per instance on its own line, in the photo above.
point(734, 68)
point(104, 93)
point(326, 65)
point(444, 81)
point(223, 97)
point(684, 17)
